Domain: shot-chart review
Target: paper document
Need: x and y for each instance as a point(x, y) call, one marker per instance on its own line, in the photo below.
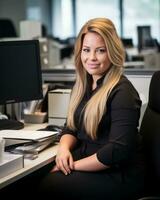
point(11, 163)
point(31, 150)
point(26, 134)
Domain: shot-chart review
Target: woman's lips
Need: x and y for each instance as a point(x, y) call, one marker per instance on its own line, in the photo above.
point(93, 66)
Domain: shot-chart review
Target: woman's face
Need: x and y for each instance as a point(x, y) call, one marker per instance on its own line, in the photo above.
point(94, 55)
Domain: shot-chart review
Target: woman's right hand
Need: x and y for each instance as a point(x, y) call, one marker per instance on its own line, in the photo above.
point(64, 161)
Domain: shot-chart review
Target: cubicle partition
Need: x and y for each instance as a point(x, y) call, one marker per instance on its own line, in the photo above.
point(140, 78)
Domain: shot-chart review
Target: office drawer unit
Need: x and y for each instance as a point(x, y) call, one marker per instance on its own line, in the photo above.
point(58, 101)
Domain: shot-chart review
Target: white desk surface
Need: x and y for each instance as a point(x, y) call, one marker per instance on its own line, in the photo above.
point(44, 158)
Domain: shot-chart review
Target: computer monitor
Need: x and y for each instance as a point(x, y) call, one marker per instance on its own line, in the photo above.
point(127, 42)
point(144, 37)
point(20, 71)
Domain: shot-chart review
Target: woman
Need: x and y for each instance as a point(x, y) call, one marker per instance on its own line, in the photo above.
point(98, 155)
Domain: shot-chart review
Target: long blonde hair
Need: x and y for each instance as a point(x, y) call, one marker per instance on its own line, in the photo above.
point(96, 106)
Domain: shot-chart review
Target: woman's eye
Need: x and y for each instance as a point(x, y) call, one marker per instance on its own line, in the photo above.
point(101, 50)
point(85, 50)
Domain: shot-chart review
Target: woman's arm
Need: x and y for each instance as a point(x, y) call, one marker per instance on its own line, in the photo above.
point(124, 109)
point(90, 163)
point(67, 141)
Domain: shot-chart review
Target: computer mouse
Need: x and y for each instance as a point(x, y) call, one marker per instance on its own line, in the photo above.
point(52, 127)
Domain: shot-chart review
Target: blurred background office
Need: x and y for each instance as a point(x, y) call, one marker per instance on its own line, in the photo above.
point(56, 23)
point(137, 22)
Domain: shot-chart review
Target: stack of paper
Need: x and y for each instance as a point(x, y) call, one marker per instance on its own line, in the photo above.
point(10, 163)
point(28, 143)
point(26, 135)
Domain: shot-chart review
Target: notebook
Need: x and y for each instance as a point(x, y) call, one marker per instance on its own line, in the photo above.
point(26, 134)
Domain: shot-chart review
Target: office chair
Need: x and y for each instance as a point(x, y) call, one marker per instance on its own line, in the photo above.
point(150, 131)
point(7, 28)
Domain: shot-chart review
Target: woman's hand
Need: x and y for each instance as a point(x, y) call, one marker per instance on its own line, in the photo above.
point(64, 161)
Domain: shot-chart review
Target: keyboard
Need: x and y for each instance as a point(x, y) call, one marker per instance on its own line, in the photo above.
point(10, 124)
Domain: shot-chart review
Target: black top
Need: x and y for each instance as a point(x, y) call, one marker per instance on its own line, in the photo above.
point(116, 143)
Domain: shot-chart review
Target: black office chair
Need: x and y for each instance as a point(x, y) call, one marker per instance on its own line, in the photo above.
point(150, 130)
point(7, 28)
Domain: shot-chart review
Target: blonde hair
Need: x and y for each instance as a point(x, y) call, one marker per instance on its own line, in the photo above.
point(96, 106)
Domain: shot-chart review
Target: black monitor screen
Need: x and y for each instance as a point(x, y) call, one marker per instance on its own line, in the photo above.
point(144, 37)
point(20, 71)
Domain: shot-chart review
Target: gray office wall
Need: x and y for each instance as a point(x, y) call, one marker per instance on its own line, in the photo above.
point(14, 10)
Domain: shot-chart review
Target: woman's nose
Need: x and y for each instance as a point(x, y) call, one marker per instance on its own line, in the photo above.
point(92, 56)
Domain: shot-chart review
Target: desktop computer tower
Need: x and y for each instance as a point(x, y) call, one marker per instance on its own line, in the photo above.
point(58, 101)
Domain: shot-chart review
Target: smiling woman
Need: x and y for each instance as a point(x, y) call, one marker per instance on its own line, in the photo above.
point(99, 146)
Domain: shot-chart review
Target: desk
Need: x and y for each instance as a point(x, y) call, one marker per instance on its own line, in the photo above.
point(44, 158)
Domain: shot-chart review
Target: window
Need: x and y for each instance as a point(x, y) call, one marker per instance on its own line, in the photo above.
point(86, 10)
point(141, 12)
point(62, 21)
point(64, 18)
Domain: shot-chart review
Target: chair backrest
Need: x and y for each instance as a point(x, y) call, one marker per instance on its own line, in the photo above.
point(7, 28)
point(150, 131)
